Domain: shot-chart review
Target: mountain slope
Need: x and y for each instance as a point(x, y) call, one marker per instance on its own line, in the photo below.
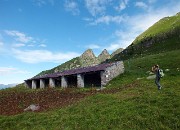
point(132, 104)
point(103, 56)
point(165, 26)
point(162, 36)
point(88, 58)
point(73, 63)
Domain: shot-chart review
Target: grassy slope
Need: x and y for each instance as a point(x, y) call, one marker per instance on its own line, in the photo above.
point(65, 66)
point(165, 36)
point(139, 106)
point(164, 25)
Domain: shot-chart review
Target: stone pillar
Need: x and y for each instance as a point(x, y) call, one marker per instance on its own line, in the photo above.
point(51, 82)
point(103, 78)
point(80, 80)
point(64, 83)
point(34, 84)
point(42, 83)
point(26, 84)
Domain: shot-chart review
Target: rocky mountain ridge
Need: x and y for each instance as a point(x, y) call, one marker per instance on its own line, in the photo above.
point(2, 86)
point(88, 58)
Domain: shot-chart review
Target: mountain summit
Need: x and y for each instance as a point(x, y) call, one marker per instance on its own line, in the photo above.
point(103, 56)
point(88, 58)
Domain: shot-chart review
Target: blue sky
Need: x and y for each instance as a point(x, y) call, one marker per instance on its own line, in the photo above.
point(37, 35)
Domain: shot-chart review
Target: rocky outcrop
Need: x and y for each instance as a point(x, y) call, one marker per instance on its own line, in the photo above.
point(88, 58)
point(103, 56)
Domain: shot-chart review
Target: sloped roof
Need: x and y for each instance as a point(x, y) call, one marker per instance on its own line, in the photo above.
point(74, 71)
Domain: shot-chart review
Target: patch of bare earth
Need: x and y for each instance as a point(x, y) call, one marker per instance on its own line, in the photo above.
point(12, 103)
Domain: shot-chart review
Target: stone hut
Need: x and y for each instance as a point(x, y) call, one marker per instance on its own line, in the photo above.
point(92, 76)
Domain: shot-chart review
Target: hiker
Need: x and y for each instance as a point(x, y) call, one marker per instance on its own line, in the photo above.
point(156, 70)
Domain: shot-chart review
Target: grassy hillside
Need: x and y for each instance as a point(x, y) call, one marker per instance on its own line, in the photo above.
point(133, 104)
point(163, 26)
point(73, 63)
point(161, 37)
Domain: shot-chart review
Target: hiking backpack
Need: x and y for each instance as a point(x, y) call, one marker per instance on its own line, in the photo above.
point(161, 73)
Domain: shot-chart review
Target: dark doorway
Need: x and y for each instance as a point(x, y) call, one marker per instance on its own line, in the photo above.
point(72, 81)
point(92, 79)
point(37, 84)
point(29, 83)
point(58, 82)
point(46, 83)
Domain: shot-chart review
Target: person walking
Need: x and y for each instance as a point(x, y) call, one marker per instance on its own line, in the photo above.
point(156, 70)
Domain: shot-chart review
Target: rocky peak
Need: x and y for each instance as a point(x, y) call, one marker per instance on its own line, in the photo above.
point(88, 58)
point(88, 53)
point(103, 56)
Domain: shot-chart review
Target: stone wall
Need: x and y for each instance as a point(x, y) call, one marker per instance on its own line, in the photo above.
point(111, 72)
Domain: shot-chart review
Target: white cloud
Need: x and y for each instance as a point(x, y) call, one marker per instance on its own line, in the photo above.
point(31, 45)
point(37, 56)
point(137, 24)
point(122, 5)
point(1, 43)
point(107, 19)
point(113, 46)
point(123, 39)
point(19, 36)
point(72, 7)
point(141, 5)
point(11, 70)
point(6, 70)
point(2, 48)
point(42, 45)
point(18, 45)
point(41, 3)
point(88, 19)
point(141, 22)
point(96, 7)
point(93, 46)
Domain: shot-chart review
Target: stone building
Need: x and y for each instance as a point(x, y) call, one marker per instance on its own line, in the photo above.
point(92, 76)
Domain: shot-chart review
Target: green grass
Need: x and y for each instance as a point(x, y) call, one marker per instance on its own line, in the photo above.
point(161, 37)
point(137, 67)
point(164, 25)
point(137, 105)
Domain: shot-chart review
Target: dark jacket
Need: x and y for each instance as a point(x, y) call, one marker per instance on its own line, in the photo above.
point(158, 73)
